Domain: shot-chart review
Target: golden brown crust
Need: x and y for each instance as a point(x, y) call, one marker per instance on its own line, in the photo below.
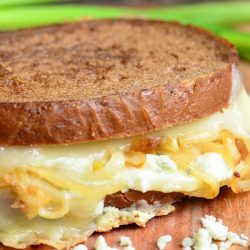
point(113, 116)
point(122, 113)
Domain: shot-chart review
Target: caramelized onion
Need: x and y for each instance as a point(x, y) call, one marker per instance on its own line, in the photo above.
point(135, 159)
point(35, 196)
point(146, 145)
point(210, 187)
point(41, 190)
point(242, 147)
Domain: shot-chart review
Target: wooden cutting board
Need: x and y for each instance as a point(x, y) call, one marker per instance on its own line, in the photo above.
point(233, 209)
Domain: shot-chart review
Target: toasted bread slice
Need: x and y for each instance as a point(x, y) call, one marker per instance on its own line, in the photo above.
point(97, 80)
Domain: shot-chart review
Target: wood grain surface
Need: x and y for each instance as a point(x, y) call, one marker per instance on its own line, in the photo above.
point(233, 209)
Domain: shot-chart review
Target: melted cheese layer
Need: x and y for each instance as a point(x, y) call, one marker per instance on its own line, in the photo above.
point(159, 173)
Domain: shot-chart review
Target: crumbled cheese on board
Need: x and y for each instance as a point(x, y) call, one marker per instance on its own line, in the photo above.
point(163, 241)
point(126, 242)
point(225, 245)
point(202, 239)
point(213, 229)
point(80, 247)
point(101, 244)
point(187, 243)
point(241, 240)
point(129, 248)
point(216, 229)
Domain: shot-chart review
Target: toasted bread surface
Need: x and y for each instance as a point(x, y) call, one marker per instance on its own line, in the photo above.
point(96, 80)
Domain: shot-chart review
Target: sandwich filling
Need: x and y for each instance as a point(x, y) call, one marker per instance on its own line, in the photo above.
point(55, 194)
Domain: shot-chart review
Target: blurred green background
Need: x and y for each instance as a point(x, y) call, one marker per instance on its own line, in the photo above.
point(229, 19)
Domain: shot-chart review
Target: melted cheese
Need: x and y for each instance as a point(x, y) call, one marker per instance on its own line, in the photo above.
point(159, 173)
point(80, 157)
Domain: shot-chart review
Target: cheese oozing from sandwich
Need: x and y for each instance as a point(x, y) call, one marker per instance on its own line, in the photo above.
point(54, 194)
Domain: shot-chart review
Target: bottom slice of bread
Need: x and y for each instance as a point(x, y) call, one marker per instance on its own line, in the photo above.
point(135, 207)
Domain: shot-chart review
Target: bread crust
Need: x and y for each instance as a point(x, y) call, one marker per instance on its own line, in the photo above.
point(126, 200)
point(115, 116)
point(118, 115)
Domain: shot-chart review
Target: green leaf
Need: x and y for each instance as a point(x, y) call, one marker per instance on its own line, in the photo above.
point(16, 18)
point(214, 13)
point(14, 3)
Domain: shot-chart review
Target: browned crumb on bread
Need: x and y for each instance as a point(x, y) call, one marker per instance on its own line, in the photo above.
point(93, 59)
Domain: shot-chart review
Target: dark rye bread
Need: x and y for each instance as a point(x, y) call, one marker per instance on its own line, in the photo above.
point(126, 200)
point(96, 80)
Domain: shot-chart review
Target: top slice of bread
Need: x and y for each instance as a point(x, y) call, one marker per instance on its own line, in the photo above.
point(95, 80)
